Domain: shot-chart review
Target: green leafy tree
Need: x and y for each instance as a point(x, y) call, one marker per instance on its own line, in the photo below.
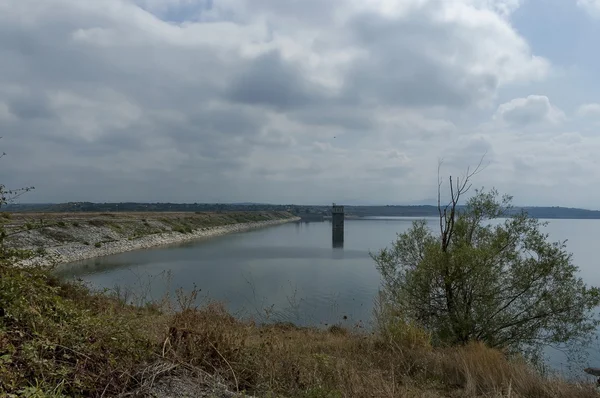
point(490, 275)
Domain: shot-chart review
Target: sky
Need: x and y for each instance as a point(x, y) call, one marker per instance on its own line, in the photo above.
point(299, 101)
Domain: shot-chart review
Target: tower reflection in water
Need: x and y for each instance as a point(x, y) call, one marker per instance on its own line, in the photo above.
point(338, 241)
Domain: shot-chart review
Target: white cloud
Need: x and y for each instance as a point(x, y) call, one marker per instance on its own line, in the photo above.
point(592, 109)
point(590, 6)
point(532, 110)
point(433, 53)
point(502, 7)
point(240, 100)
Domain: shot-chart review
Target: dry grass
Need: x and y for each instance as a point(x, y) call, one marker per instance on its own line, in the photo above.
point(303, 362)
point(60, 340)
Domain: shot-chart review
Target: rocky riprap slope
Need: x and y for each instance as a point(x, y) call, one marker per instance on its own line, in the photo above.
point(67, 237)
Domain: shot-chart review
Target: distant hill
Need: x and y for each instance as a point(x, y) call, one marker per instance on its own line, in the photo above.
point(304, 211)
point(561, 212)
point(432, 211)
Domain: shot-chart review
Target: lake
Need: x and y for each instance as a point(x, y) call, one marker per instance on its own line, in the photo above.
point(291, 272)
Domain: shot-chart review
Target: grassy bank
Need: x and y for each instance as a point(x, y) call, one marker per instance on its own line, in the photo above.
point(59, 339)
point(64, 228)
point(67, 237)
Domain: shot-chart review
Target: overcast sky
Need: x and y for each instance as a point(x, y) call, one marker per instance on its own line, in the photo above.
point(299, 101)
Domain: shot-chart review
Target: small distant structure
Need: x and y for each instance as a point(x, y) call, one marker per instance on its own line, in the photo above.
point(337, 225)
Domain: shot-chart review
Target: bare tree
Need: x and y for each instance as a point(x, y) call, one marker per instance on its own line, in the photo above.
point(458, 189)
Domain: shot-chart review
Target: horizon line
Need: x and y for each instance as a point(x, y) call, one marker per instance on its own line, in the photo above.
point(277, 204)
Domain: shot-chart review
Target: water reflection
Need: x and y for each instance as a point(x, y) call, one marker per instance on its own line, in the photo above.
point(337, 243)
point(338, 253)
point(293, 266)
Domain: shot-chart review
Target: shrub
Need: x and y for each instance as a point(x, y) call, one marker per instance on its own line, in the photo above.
point(336, 329)
point(97, 244)
point(208, 338)
point(63, 339)
point(405, 334)
point(97, 223)
point(476, 280)
point(183, 229)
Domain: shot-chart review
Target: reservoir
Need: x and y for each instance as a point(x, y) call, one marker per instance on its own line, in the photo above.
point(291, 272)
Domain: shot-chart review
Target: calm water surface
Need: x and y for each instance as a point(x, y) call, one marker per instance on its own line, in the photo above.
point(291, 272)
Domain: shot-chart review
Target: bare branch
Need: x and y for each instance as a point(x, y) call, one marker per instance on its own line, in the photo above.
point(440, 196)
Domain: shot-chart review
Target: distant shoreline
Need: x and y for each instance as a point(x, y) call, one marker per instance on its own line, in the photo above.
point(308, 212)
point(435, 216)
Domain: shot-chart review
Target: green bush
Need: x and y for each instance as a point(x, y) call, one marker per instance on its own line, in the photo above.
point(405, 334)
point(97, 244)
point(183, 229)
point(476, 280)
point(59, 338)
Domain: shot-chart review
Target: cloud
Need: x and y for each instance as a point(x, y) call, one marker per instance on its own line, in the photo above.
point(239, 100)
point(590, 6)
point(425, 56)
point(271, 82)
point(503, 7)
point(532, 110)
point(176, 10)
point(592, 109)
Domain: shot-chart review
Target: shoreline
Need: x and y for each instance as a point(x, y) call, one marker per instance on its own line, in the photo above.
point(73, 252)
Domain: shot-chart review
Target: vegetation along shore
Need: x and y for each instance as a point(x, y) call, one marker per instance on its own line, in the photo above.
point(65, 237)
point(461, 313)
